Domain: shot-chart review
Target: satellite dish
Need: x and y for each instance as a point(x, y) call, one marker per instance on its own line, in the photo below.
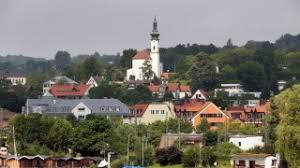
point(103, 163)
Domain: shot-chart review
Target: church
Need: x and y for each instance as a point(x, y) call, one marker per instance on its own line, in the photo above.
point(144, 56)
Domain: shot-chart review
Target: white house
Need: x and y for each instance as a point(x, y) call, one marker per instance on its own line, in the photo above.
point(16, 78)
point(200, 94)
point(248, 160)
point(135, 73)
point(149, 113)
point(281, 84)
point(94, 81)
point(246, 142)
point(235, 89)
point(47, 85)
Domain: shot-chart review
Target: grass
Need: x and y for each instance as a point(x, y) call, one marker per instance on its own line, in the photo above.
point(156, 165)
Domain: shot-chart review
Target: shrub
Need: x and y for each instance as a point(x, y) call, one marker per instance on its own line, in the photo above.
point(191, 157)
point(171, 155)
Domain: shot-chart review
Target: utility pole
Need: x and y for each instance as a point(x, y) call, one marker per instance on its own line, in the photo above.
point(143, 155)
point(179, 131)
point(128, 143)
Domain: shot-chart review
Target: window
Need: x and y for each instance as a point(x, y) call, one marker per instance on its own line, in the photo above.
point(157, 111)
point(240, 143)
point(274, 162)
point(242, 163)
point(152, 112)
point(81, 109)
point(214, 115)
point(162, 111)
point(102, 108)
point(81, 117)
point(117, 108)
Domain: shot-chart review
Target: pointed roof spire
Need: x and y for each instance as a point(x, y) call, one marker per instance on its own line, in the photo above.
point(155, 33)
point(155, 25)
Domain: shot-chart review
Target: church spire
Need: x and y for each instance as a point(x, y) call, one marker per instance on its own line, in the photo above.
point(155, 33)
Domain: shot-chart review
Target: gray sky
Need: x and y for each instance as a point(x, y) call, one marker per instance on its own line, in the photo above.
point(39, 28)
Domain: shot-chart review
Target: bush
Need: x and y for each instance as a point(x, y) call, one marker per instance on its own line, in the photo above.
point(210, 138)
point(191, 157)
point(171, 155)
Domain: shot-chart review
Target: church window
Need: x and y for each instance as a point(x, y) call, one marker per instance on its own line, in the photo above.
point(153, 48)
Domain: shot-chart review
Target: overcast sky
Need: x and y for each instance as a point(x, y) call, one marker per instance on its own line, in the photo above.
point(39, 28)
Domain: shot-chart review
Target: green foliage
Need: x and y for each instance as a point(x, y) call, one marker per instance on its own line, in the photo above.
point(147, 70)
point(168, 96)
point(141, 94)
point(288, 132)
point(225, 150)
point(191, 157)
point(126, 57)
point(62, 60)
point(203, 127)
point(251, 75)
point(104, 90)
point(208, 156)
point(170, 155)
point(91, 135)
point(210, 138)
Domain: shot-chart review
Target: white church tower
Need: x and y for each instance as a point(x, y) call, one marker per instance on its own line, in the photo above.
point(154, 54)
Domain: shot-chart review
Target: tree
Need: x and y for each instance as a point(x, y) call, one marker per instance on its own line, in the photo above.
point(91, 135)
point(91, 67)
point(126, 57)
point(251, 75)
point(287, 131)
point(59, 134)
point(170, 155)
point(191, 157)
point(104, 90)
point(203, 127)
point(147, 70)
point(141, 94)
point(62, 60)
point(210, 138)
point(168, 96)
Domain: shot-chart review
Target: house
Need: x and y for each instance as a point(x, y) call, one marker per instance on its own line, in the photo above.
point(248, 160)
point(149, 113)
point(94, 81)
point(250, 114)
point(235, 90)
point(56, 80)
point(16, 78)
point(281, 84)
point(200, 94)
point(256, 115)
point(153, 57)
point(246, 142)
point(5, 115)
point(194, 111)
point(168, 140)
point(24, 161)
point(178, 91)
point(80, 108)
point(236, 113)
point(68, 91)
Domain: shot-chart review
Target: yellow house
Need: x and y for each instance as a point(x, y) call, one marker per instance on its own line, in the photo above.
point(149, 113)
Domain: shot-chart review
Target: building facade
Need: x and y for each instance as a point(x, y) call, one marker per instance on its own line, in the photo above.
point(80, 108)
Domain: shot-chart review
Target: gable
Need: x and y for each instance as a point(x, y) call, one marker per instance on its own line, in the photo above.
point(211, 108)
point(81, 110)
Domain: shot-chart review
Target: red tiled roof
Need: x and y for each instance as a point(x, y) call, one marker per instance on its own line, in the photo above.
point(139, 109)
point(185, 88)
point(68, 89)
point(260, 107)
point(172, 87)
point(195, 106)
point(142, 55)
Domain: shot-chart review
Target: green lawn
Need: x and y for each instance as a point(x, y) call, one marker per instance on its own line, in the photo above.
point(168, 166)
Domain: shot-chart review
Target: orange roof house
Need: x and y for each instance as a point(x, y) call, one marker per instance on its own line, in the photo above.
point(256, 115)
point(178, 91)
point(69, 90)
point(194, 111)
point(251, 115)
